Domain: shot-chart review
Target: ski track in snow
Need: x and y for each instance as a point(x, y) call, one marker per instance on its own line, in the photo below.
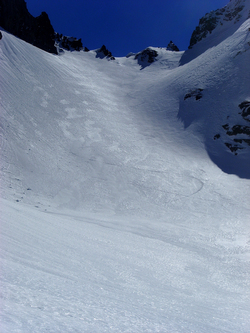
point(113, 216)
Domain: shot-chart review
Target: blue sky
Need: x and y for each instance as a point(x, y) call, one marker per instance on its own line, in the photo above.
point(126, 25)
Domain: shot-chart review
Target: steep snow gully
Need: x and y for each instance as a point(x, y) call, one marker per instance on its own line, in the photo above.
point(125, 188)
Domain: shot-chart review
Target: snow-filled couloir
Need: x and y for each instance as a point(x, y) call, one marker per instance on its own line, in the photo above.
point(125, 188)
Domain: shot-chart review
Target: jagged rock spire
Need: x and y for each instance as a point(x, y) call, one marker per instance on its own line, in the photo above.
point(172, 47)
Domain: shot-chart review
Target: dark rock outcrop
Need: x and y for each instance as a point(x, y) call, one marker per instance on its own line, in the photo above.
point(213, 27)
point(68, 43)
point(245, 113)
point(233, 148)
point(146, 57)
point(239, 129)
point(197, 94)
point(217, 136)
point(210, 21)
point(38, 31)
point(103, 52)
point(206, 25)
point(237, 136)
point(172, 47)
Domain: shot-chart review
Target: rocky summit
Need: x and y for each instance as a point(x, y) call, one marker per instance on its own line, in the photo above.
point(38, 31)
point(172, 47)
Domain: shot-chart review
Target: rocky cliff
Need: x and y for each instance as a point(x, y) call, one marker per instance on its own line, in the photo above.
point(38, 31)
point(231, 12)
point(215, 27)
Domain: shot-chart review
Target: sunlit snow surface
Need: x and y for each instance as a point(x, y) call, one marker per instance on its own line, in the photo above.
point(113, 216)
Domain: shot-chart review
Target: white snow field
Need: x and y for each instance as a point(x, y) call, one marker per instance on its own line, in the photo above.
point(119, 211)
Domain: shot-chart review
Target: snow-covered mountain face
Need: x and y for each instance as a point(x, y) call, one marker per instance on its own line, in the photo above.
point(219, 99)
point(125, 187)
point(216, 26)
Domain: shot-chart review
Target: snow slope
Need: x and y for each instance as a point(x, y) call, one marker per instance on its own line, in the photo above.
point(119, 210)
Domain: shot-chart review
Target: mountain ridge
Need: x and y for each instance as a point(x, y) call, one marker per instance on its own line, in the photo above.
point(39, 31)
